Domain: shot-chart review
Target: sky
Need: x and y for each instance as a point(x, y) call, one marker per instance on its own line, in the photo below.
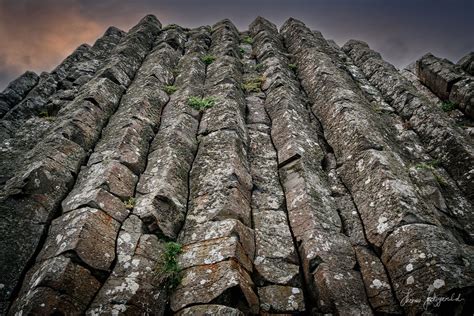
point(38, 35)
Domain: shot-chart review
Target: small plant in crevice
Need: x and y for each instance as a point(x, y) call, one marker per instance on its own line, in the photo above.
point(429, 165)
point(201, 104)
point(259, 67)
point(248, 40)
point(241, 50)
point(208, 59)
point(130, 203)
point(45, 115)
point(175, 71)
point(292, 67)
point(168, 265)
point(448, 106)
point(170, 89)
point(253, 85)
point(441, 181)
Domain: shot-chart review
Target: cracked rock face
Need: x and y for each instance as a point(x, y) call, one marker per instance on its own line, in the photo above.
point(212, 171)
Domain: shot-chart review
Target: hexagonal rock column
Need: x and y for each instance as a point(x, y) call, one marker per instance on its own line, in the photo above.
point(277, 268)
point(448, 81)
point(445, 142)
point(327, 257)
point(49, 173)
point(55, 88)
point(27, 124)
point(162, 191)
point(136, 285)
point(218, 260)
point(431, 180)
point(17, 90)
point(388, 202)
point(467, 63)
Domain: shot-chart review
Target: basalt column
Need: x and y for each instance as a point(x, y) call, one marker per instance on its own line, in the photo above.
point(218, 242)
point(277, 265)
point(326, 254)
point(398, 222)
point(31, 198)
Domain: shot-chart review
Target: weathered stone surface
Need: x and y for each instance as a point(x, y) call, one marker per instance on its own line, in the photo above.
point(340, 291)
point(22, 132)
point(135, 286)
point(17, 90)
point(202, 310)
point(447, 81)
point(213, 251)
point(437, 74)
point(224, 191)
point(51, 165)
point(103, 186)
point(423, 261)
point(225, 283)
point(273, 235)
point(163, 187)
point(467, 63)
point(89, 233)
point(377, 284)
point(276, 259)
point(267, 192)
point(36, 98)
point(281, 299)
point(445, 142)
point(219, 229)
point(47, 294)
point(311, 209)
point(431, 182)
point(314, 72)
point(410, 74)
point(462, 94)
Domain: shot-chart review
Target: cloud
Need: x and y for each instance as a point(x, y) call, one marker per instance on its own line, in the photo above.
point(37, 35)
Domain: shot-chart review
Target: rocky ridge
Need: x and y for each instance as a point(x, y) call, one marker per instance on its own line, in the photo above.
point(206, 171)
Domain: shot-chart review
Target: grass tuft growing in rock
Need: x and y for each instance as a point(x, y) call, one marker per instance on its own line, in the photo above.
point(175, 71)
point(170, 89)
point(253, 85)
point(292, 67)
point(208, 59)
point(45, 115)
point(130, 203)
point(430, 165)
point(441, 181)
point(448, 106)
point(259, 67)
point(248, 40)
point(169, 266)
point(201, 104)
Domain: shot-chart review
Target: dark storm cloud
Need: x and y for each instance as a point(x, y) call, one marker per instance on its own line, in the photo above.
point(39, 34)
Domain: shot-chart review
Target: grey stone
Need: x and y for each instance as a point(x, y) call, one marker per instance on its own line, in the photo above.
point(467, 63)
point(205, 310)
point(224, 281)
point(45, 292)
point(281, 299)
point(89, 233)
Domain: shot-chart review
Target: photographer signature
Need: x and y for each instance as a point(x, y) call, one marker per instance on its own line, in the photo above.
point(432, 300)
